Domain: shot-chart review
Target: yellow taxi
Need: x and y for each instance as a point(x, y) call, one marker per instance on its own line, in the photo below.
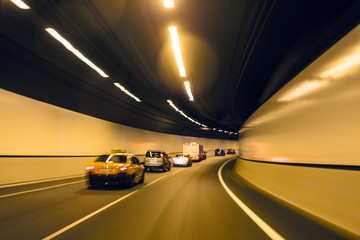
point(115, 168)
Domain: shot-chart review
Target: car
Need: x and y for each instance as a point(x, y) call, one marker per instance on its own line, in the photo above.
point(115, 168)
point(157, 159)
point(182, 160)
point(230, 151)
point(219, 152)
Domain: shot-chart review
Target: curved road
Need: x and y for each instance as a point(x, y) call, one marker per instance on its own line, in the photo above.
point(185, 203)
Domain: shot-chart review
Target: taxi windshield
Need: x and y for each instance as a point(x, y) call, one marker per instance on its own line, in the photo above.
point(111, 158)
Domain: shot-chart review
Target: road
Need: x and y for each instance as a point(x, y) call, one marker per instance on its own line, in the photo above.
point(184, 203)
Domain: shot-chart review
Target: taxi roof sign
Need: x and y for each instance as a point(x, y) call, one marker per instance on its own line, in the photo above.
point(118, 150)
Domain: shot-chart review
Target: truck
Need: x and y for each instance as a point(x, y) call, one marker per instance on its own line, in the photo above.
point(195, 150)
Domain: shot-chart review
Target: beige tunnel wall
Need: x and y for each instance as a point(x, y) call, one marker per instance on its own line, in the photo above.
point(30, 127)
point(303, 145)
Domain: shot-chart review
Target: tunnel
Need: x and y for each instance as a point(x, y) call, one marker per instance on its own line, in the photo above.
point(169, 119)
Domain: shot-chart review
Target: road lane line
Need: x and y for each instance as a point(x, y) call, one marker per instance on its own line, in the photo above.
point(39, 181)
point(97, 211)
point(39, 189)
point(264, 226)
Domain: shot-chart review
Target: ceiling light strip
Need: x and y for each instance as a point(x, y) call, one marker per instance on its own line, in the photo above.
point(196, 122)
point(183, 114)
point(127, 92)
point(20, 4)
point(188, 90)
point(176, 48)
point(169, 3)
point(76, 52)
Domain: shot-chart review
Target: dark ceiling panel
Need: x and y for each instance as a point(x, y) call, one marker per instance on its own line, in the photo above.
point(237, 53)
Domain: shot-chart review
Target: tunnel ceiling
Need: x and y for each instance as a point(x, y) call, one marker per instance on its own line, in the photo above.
point(236, 54)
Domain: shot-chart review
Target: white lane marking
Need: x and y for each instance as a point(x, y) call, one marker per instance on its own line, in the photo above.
point(264, 226)
point(96, 212)
point(39, 181)
point(39, 189)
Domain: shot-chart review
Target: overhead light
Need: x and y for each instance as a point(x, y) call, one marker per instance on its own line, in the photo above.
point(176, 48)
point(127, 92)
point(188, 90)
point(169, 3)
point(20, 4)
point(76, 52)
point(344, 65)
point(184, 115)
point(204, 127)
point(303, 89)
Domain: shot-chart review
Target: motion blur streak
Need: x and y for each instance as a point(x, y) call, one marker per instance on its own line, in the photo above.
point(169, 3)
point(20, 4)
point(188, 90)
point(265, 227)
point(76, 52)
point(127, 92)
point(176, 48)
point(39, 189)
point(87, 217)
point(313, 126)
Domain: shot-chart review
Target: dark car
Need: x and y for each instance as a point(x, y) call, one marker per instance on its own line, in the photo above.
point(157, 159)
point(219, 152)
point(230, 151)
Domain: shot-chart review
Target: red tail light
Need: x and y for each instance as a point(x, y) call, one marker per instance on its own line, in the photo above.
point(123, 168)
point(89, 168)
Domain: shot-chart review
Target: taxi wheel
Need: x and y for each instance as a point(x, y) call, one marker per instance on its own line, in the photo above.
point(142, 178)
point(132, 181)
point(91, 184)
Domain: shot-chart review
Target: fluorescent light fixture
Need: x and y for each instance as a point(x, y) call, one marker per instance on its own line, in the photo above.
point(183, 114)
point(176, 48)
point(344, 66)
point(188, 90)
point(20, 4)
point(169, 3)
point(204, 127)
point(127, 92)
point(303, 89)
point(76, 52)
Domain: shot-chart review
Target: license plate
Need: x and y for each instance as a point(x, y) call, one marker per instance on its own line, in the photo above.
point(106, 170)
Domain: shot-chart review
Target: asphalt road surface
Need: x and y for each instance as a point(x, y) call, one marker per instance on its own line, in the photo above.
point(184, 203)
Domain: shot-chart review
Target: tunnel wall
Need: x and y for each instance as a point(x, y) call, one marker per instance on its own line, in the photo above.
point(41, 141)
point(303, 145)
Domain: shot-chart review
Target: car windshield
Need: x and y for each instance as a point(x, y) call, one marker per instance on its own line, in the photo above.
point(153, 154)
point(179, 155)
point(111, 158)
